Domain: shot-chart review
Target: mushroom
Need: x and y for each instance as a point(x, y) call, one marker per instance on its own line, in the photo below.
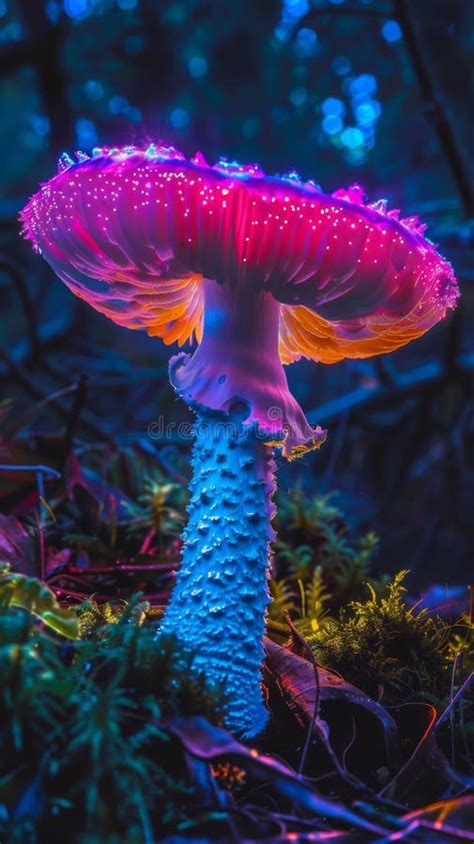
point(260, 272)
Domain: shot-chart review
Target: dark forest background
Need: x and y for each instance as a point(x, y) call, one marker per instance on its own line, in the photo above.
point(375, 91)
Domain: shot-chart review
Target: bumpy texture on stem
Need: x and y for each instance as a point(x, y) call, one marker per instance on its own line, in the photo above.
point(217, 608)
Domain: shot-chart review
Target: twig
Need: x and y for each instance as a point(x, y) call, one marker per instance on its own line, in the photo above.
point(315, 715)
point(75, 415)
point(51, 334)
point(19, 375)
point(412, 755)
point(411, 16)
point(42, 549)
point(431, 728)
point(462, 725)
point(365, 399)
point(346, 751)
point(436, 828)
point(38, 468)
point(121, 569)
point(453, 701)
point(169, 470)
point(40, 471)
point(48, 39)
point(457, 660)
point(20, 421)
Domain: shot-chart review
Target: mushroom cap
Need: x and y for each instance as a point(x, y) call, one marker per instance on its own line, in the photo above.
point(135, 231)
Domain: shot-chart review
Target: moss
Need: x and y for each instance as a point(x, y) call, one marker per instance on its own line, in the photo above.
point(84, 749)
point(384, 647)
point(313, 534)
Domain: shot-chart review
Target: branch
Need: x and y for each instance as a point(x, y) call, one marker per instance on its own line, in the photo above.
point(366, 399)
point(343, 10)
point(50, 335)
point(428, 43)
point(48, 39)
point(29, 386)
point(29, 310)
point(74, 418)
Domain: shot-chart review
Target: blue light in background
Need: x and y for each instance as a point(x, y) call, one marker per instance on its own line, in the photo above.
point(179, 118)
point(94, 90)
point(295, 8)
point(118, 104)
point(298, 96)
point(13, 31)
point(306, 43)
point(133, 114)
point(292, 11)
point(332, 105)
point(367, 113)
point(198, 66)
point(280, 115)
point(352, 137)
point(356, 156)
point(53, 11)
point(363, 85)
point(77, 8)
point(127, 5)
point(86, 133)
point(134, 44)
point(41, 124)
point(391, 31)
point(332, 124)
point(341, 65)
point(250, 127)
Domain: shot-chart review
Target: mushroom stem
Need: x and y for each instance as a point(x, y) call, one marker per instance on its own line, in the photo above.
point(237, 387)
point(217, 608)
point(238, 363)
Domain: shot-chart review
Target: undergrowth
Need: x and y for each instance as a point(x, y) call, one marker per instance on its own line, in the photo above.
point(85, 750)
point(361, 624)
point(84, 755)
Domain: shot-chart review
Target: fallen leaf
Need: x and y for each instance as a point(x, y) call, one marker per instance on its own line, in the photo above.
point(295, 677)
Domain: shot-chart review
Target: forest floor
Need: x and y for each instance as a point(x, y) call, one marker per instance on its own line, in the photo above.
point(369, 687)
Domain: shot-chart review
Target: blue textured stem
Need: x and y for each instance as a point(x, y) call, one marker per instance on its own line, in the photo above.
point(217, 609)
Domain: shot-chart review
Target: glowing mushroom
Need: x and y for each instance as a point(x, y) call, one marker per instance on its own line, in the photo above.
point(259, 271)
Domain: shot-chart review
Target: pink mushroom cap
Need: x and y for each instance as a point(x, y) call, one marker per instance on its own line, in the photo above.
point(135, 232)
point(275, 268)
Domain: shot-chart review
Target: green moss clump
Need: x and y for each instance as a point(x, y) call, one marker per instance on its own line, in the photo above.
point(385, 647)
point(84, 748)
point(314, 534)
point(359, 624)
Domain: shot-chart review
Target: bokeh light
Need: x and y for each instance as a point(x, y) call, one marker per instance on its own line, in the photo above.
point(292, 11)
point(391, 31)
point(341, 65)
point(352, 137)
point(86, 131)
point(298, 96)
point(332, 124)
point(198, 67)
point(306, 43)
point(94, 90)
point(180, 118)
point(332, 105)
